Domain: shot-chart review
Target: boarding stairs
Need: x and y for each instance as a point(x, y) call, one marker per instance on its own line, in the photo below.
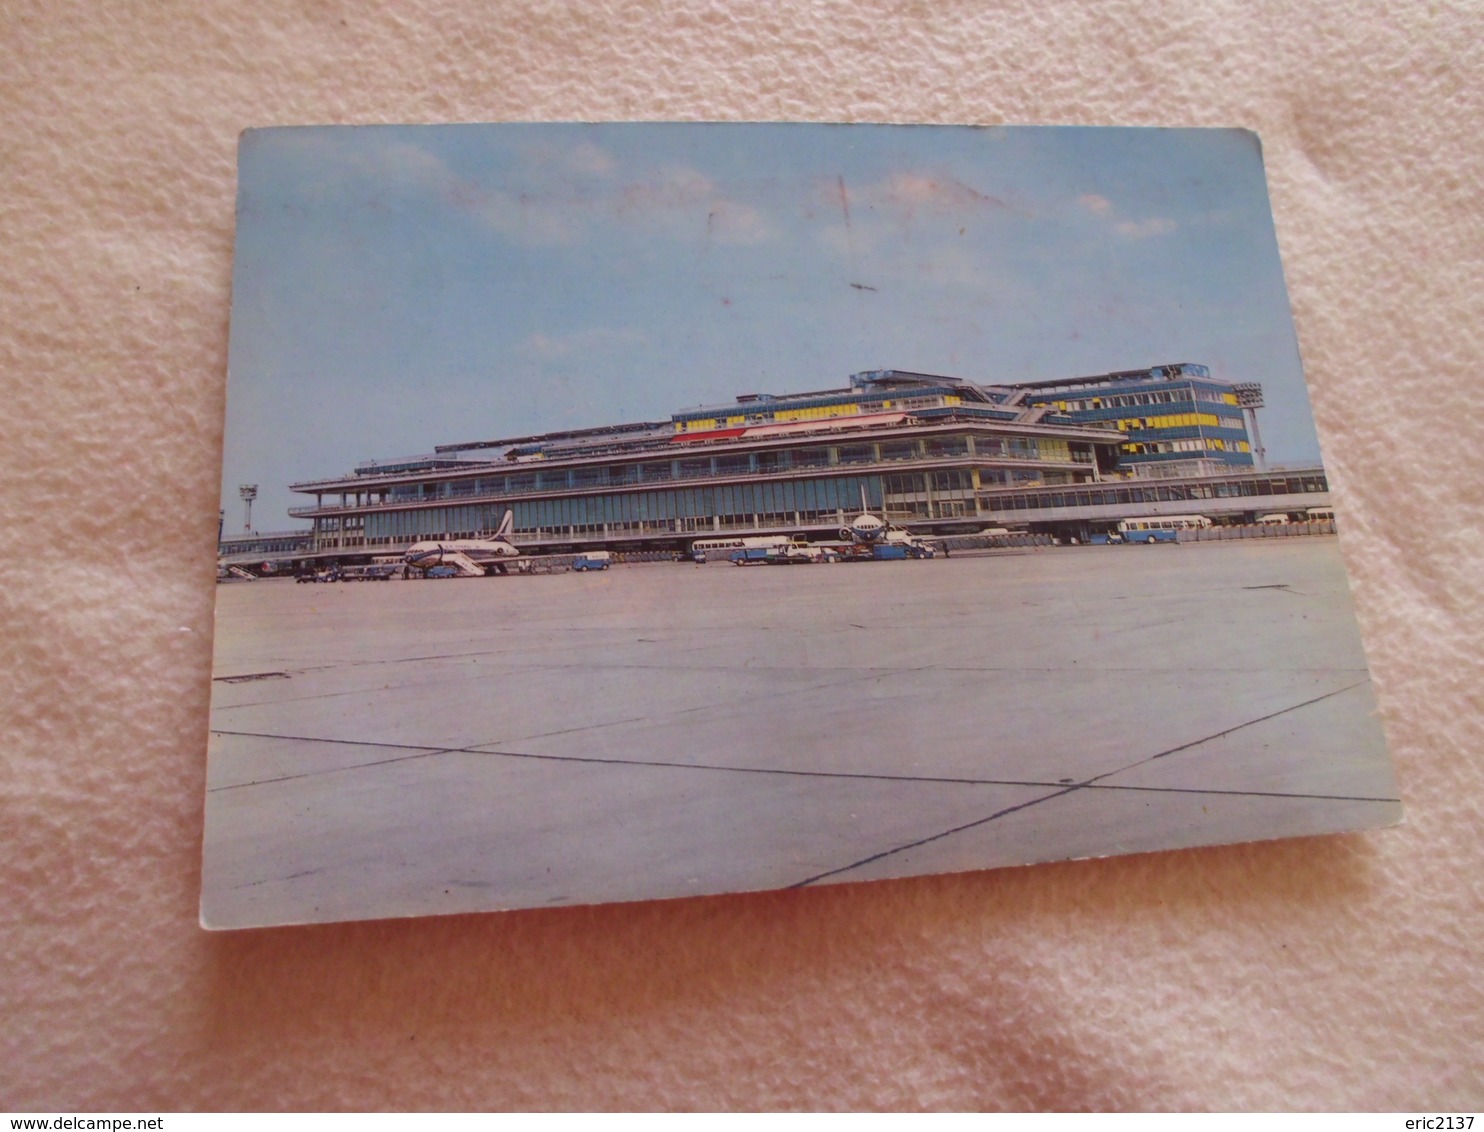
point(462, 563)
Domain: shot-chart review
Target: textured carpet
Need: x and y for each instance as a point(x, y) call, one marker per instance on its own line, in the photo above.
point(1328, 972)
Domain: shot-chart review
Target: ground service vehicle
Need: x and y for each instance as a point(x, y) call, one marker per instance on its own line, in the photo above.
point(594, 560)
point(789, 556)
point(367, 573)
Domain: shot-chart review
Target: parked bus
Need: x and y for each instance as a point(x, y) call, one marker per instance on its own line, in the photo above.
point(739, 542)
point(1164, 528)
point(1321, 514)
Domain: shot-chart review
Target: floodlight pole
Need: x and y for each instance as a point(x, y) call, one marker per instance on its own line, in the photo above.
point(1249, 397)
point(248, 492)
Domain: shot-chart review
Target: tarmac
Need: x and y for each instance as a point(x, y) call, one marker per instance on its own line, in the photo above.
point(665, 730)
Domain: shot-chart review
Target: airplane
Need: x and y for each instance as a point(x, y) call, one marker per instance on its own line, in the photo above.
point(867, 529)
point(471, 555)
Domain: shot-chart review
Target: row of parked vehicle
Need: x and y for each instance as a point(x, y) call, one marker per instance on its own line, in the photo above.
point(381, 572)
point(801, 555)
point(348, 574)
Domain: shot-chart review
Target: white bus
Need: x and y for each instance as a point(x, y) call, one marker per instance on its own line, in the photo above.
point(739, 542)
point(1162, 528)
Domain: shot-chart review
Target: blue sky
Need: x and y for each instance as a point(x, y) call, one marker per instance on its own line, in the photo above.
point(396, 288)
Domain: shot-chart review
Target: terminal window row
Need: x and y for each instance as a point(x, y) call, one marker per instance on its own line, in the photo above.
point(831, 496)
point(1049, 449)
point(1156, 397)
point(1162, 493)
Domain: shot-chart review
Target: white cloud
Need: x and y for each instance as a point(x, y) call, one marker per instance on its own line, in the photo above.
point(681, 203)
point(590, 343)
point(1143, 229)
point(675, 187)
point(951, 265)
point(528, 219)
point(329, 163)
point(566, 195)
point(731, 223)
point(590, 160)
point(842, 240)
point(560, 161)
point(1131, 229)
point(909, 191)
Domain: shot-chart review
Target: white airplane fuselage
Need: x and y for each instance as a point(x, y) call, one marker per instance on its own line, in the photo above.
point(479, 550)
point(865, 528)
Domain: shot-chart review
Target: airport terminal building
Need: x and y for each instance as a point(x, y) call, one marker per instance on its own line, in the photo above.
point(933, 454)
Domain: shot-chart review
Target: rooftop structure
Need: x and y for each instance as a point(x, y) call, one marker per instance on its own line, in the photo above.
point(1171, 413)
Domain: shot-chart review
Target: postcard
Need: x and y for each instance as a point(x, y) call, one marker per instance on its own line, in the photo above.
point(641, 511)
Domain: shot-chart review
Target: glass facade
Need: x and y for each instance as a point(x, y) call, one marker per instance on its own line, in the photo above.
point(679, 510)
point(809, 483)
point(1111, 495)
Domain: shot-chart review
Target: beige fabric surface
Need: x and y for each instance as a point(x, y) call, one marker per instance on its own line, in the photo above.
point(1326, 972)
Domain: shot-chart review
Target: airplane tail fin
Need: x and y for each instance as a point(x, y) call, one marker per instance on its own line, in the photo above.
point(507, 525)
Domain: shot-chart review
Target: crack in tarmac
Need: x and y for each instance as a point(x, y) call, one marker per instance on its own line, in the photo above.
point(1096, 783)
